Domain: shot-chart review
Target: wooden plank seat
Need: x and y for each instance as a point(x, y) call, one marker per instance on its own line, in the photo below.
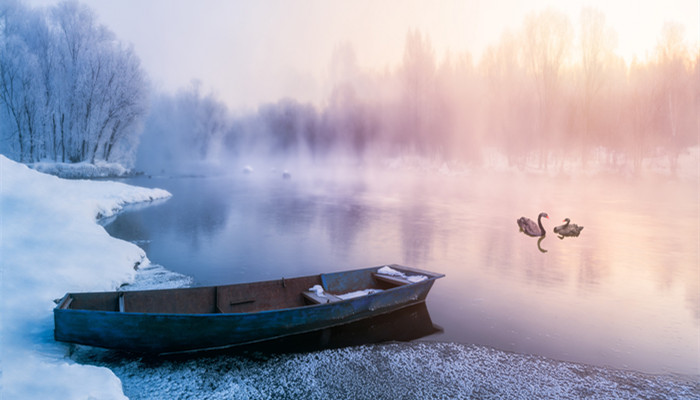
point(316, 299)
point(392, 279)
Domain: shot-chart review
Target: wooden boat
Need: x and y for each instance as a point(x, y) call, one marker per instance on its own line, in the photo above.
point(205, 318)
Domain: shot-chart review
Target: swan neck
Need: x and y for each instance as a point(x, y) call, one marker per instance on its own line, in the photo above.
point(539, 222)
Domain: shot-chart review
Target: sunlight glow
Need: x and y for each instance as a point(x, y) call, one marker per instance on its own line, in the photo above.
point(264, 51)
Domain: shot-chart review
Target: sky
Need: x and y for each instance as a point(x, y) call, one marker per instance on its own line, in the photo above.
point(250, 52)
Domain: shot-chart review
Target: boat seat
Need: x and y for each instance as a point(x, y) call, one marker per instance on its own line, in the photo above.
point(316, 299)
point(392, 279)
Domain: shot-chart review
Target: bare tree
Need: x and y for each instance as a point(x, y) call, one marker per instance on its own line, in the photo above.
point(674, 95)
point(510, 114)
point(597, 44)
point(547, 43)
point(418, 76)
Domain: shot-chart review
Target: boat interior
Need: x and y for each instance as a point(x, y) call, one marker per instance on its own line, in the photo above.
point(236, 298)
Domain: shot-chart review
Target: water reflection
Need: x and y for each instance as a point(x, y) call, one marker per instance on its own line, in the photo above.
point(406, 324)
point(539, 244)
point(417, 229)
point(622, 294)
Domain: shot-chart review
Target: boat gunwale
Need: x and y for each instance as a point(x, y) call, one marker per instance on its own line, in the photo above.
point(62, 306)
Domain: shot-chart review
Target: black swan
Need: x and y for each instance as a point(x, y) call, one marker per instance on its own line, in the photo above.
point(568, 229)
point(530, 227)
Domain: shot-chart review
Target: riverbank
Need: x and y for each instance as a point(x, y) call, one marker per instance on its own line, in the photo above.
point(51, 244)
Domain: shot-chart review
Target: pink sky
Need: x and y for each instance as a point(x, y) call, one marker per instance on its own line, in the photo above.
point(253, 52)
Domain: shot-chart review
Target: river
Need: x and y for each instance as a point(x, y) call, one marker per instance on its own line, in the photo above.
point(624, 294)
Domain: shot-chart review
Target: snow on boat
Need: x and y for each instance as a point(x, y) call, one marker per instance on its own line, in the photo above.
point(205, 318)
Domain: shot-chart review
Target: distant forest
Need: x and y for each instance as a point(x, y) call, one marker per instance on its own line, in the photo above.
point(537, 96)
point(71, 92)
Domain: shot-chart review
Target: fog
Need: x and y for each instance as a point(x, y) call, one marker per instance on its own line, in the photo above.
point(552, 94)
point(540, 97)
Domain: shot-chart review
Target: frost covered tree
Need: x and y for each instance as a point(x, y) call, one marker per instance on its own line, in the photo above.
point(69, 91)
point(547, 40)
point(419, 86)
point(183, 131)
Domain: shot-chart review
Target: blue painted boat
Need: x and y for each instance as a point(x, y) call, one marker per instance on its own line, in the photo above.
point(205, 318)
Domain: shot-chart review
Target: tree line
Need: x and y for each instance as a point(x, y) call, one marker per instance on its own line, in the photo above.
point(540, 95)
point(69, 90)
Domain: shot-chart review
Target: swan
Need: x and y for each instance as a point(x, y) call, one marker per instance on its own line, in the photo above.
point(530, 227)
point(568, 229)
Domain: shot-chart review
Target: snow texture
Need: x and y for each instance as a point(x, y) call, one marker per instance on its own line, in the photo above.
point(318, 290)
point(387, 270)
point(358, 293)
point(82, 170)
point(50, 244)
point(418, 370)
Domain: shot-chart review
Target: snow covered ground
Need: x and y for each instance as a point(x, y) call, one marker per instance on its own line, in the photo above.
point(100, 169)
point(50, 244)
point(410, 371)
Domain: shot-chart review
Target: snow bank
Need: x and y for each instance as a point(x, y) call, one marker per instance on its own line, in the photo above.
point(50, 244)
point(100, 169)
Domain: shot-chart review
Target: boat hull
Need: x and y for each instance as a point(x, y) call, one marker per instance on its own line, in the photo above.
point(171, 333)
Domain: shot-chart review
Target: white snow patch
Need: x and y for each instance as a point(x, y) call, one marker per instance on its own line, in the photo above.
point(358, 293)
point(344, 296)
point(318, 290)
point(387, 270)
point(81, 170)
point(154, 276)
point(50, 244)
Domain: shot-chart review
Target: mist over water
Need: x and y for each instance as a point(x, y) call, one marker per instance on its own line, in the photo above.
point(622, 294)
point(539, 98)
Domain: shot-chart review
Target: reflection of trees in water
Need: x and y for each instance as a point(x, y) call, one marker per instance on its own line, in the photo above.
point(417, 229)
point(546, 273)
point(692, 296)
point(130, 226)
point(286, 212)
point(343, 222)
point(591, 269)
point(291, 209)
point(199, 215)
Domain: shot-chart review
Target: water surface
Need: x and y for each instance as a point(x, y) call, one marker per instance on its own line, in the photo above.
point(624, 294)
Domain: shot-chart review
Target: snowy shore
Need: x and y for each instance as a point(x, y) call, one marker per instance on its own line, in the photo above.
point(50, 244)
point(83, 170)
point(409, 371)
